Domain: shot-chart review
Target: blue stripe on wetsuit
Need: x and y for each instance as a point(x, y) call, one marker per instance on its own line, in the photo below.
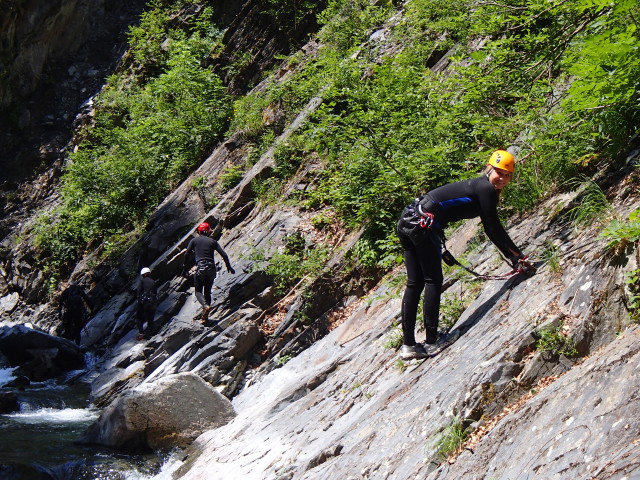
point(454, 202)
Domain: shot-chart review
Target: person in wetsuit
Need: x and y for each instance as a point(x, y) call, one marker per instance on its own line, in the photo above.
point(477, 197)
point(202, 248)
point(73, 304)
point(146, 294)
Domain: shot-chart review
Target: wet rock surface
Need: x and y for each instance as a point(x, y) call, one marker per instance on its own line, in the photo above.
point(37, 355)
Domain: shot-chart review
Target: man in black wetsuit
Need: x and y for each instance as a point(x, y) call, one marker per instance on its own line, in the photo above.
point(72, 311)
point(421, 240)
point(203, 247)
point(146, 293)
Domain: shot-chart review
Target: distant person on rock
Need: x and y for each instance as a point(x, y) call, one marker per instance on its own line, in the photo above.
point(147, 296)
point(73, 305)
point(420, 230)
point(200, 253)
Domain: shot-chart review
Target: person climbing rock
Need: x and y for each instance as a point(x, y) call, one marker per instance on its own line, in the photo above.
point(420, 230)
point(73, 305)
point(147, 296)
point(202, 249)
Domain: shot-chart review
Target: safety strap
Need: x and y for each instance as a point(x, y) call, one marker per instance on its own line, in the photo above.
point(449, 259)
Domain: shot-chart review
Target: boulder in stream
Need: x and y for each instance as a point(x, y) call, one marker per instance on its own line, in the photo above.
point(170, 412)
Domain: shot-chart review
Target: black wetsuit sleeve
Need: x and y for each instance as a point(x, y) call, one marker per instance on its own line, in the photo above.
point(223, 254)
point(488, 202)
point(188, 254)
point(139, 289)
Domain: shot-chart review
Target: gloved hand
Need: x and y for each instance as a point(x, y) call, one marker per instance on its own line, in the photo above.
point(521, 263)
point(525, 265)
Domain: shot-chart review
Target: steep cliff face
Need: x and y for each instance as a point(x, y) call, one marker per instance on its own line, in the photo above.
point(313, 373)
point(55, 59)
point(54, 56)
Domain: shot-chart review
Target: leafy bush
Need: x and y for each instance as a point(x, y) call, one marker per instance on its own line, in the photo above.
point(231, 176)
point(632, 280)
point(296, 260)
point(620, 234)
point(592, 204)
point(551, 339)
point(551, 256)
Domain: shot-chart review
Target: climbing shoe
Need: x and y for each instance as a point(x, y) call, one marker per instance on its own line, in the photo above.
point(446, 339)
point(205, 313)
point(411, 352)
point(431, 349)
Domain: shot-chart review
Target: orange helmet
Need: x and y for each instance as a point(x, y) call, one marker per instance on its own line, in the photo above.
point(502, 159)
point(204, 227)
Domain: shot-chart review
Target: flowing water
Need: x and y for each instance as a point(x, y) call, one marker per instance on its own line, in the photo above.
point(43, 433)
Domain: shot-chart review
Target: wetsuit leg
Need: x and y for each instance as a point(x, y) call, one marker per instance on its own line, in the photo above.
point(208, 287)
point(200, 288)
point(411, 297)
point(140, 318)
point(147, 316)
point(71, 322)
point(424, 272)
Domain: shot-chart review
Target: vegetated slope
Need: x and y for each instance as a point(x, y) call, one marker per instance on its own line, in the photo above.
point(346, 134)
point(542, 381)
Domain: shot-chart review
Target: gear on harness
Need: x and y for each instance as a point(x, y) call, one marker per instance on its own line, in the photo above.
point(426, 218)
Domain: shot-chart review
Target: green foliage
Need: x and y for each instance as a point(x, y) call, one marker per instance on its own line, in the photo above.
point(606, 63)
point(281, 360)
point(199, 183)
point(145, 39)
point(231, 176)
point(551, 256)
point(557, 80)
point(296, 261)
point(551, 339)
point(401, 365)
point(348, 22)
point(288, 14)
point(321, 220)
point(592, 204)
point(451, 307)
point(620, 234)
point(394, 339)
point(287, 159)
point(632, 280)
point(451, 439)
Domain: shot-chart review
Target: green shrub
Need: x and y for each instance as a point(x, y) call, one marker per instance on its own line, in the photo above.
point(632, 280)
point(551, 339)
point(394, 339)
point(451, 439)
point(620, 234)
point(592, 204)
point(551, 256)
point(231, 176)
point(296, 261)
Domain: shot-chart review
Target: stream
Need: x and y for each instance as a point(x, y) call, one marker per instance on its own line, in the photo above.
point(41, 435)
